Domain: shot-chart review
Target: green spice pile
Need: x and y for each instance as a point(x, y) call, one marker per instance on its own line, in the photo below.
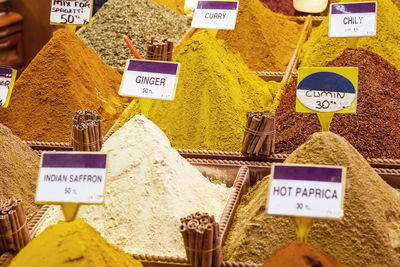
point(214, 93)
point(139, 19)
point(368, 234)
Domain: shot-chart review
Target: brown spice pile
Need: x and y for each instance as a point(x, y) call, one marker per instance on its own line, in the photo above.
point(65, 76)
point(300, 255)
point(19, 167)
point(373, 130)
point(368, 234)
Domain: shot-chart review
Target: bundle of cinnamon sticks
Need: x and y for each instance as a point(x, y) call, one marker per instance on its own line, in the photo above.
point(14, 233)
point(159, 49)
point(259, 135)
point(86, 131)
point(202, 241)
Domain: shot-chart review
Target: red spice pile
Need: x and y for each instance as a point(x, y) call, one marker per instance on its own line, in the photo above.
point(300, 255)
point(281, 6)
point(374, 130)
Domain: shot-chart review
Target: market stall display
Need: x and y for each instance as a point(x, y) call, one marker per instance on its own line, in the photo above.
point(191, 180)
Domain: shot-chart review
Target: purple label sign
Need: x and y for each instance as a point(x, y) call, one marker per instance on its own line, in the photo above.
point(308, 173)
point(217, 5)
point(349, 8)
point(153, 67)
point(6, 72)
point(74, 160)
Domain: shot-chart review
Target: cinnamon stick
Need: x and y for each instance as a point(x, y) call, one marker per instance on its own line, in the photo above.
point(6, 226)
point(208, 246)
point(185, 236)
point(86, 138)
point(217, 250)
point(255, 124)
point(22, 221)
point(199, 246)
point(192, 240)
point(17, 230)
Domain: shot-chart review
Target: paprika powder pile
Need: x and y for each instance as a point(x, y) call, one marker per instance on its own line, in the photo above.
point(300, 255)
point(367, 235)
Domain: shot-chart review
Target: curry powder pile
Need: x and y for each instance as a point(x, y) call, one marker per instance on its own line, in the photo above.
point(65, 76)
point(320, 49)
point(72, 244)
point(367, 235)
point(215, 90)
point(266, 40)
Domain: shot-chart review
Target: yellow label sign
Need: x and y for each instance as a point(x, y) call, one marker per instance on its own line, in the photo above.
point(7, 80)
point(327, 90)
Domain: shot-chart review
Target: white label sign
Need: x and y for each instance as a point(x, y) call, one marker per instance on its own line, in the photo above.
point(73, 177)
point(306, 191)
point(150, 79)
point(72, 12)
point(215, 15)
point(352, 19)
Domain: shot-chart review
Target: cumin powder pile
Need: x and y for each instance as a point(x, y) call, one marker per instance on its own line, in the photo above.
point(265, 40)
point(19, 170)
point(373, 130)
point(367, 235)
point(65, 76)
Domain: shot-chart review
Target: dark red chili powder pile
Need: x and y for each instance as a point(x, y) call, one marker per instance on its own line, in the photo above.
point(374, 130)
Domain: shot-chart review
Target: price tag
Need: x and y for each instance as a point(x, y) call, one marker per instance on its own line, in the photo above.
point(71, 177)
point(71, 12)
point(215, 15)
point(352, 19)
point(150, 79)
point(306, 191)
point(327, 90)
point(7, 79)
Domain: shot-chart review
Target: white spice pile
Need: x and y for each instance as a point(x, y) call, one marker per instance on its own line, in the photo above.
point(149, 187)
